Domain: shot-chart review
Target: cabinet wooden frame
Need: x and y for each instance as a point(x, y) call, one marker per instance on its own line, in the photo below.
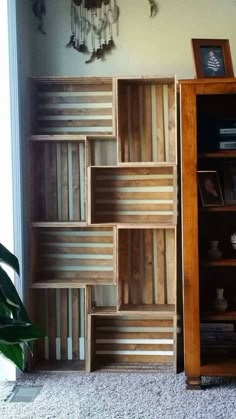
point(189, 90)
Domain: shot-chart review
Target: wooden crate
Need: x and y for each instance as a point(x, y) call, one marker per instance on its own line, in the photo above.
point(134, 195)
point(132, 339)
point(147, 120)
point(60, 313)
point(147, 269)
point(72, 106)
point(73, 256)
point(58, 181)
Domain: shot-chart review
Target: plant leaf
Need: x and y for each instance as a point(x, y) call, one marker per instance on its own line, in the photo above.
point(9, 322)
point(16, 334)
point(14, 353)
point(12, 297)
point(7, 257)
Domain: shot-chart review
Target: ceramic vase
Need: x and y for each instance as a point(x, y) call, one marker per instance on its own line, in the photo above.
point(220, 304)
point(214, 251)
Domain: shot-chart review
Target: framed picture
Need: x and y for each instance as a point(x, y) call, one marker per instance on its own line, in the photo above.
point(212, 58)
point(230, 182)
point(209, 188)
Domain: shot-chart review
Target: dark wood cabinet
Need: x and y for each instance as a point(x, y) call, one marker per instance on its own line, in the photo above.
point(208, 119)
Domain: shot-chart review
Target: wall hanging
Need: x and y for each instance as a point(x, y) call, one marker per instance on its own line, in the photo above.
point(93, 25)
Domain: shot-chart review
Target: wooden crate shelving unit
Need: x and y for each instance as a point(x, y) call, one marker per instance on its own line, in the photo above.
point(103, 186)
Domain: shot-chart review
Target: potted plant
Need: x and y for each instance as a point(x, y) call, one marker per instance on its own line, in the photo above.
point(16, 327)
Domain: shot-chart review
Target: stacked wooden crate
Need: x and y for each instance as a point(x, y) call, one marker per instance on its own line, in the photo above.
point(103, 188)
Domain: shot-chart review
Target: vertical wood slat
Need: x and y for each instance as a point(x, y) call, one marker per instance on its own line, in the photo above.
point(52, 323)
point(123, 268)
point(135, 122)
point(155, 281)
point(75, 323)
point(147, 123)
point(161, 273)
point(171, 265)
point(64, 323)
point(149, 272)
point(76, 182)
point(40, 319)
point(59, 317)
point(172, 123)
point(147, 132)
point(58, 187)
point(136, 279)
point(160, 124)
point(64, 183)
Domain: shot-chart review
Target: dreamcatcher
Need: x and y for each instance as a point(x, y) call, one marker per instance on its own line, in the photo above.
point(93, 23)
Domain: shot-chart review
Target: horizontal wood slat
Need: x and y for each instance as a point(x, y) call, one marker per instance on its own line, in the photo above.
point(133, 195)
point(78, 254)
point(72, 107)
point(121, 341)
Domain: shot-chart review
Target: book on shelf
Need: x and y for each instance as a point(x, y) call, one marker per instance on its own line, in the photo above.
point(204, 327)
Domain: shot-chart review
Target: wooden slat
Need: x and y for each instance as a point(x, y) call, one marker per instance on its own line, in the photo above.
point(74, 85)
point(148, 248)
point(76, 182)
point(52, 324)
point(136, 124)
point(128, 322)
point(135, 257)
point(171, 265)
point(161, 268)
point(160, 124)
point(172, 123)
point(64, 183)
point(147, 124)
point(135, 358)
point(64, 322)
point(75, 323)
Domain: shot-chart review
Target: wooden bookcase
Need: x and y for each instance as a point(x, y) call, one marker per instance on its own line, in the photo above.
point(207, 106)
point(103, 203)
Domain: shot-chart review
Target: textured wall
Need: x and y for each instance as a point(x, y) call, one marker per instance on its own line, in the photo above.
point(144, 46)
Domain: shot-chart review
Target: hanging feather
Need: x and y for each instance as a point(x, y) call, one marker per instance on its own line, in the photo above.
point(153, 8)
point(71, 41)
point(39, 10)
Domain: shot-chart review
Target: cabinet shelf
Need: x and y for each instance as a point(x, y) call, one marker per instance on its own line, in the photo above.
point(228, 315)
point(223, 208)
point(218, 154)
point(218, 365)
point(220, 262)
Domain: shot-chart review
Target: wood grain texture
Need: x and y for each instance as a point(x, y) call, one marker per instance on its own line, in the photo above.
point(190, 228)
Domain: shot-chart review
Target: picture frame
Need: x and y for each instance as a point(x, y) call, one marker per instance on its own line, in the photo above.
point(209, 188)
point(212, 58)
point(230, 182)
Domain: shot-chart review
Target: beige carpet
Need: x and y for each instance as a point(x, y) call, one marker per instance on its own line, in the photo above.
point(120, 396)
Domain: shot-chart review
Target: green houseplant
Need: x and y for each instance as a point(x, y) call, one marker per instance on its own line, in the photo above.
point(16, 327)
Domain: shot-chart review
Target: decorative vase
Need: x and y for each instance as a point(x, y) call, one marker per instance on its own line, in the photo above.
point(214, 252)
point(220, 304)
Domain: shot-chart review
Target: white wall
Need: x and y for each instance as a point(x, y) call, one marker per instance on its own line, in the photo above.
point(145, 46)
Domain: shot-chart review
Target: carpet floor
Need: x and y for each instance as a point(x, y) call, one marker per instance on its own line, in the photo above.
point(120, 396)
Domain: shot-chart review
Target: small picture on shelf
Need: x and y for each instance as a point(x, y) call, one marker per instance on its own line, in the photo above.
point(209, 188)
point(230, 183)
point(212, 58)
